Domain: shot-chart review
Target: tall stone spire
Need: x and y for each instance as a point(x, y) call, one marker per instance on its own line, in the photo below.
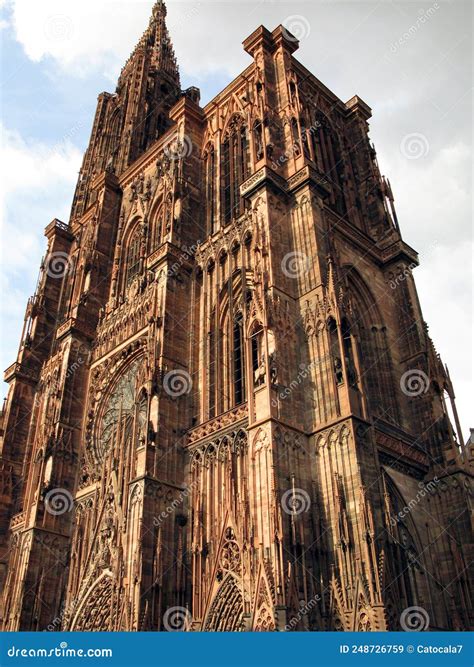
point(208, 428)
point(155, 44)
point(163, 52)
point(128, 122)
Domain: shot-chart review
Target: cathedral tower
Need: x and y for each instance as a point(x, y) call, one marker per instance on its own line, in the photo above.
point(226, 412)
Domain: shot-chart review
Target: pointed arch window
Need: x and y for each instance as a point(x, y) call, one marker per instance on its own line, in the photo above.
point(239, 372)
point(133, 255)
point(305, 139)
point(335, 351)
point(295, 135)
point(258, 139)
point(235, 168)
point(328, 157)
point(160, 125)
point(119, 409)
point(212, 370)
point(405, 556)
point(371, 351)
point(258, 355)
point(227, 376)
point(348, 352)
point(210, 158)
point(212, 373)
point(226, 611)
point(293, 97)
point(158, 229)
point(111, 139)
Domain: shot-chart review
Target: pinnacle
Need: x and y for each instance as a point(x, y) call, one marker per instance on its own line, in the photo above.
point(159, 8)
point(157, 39)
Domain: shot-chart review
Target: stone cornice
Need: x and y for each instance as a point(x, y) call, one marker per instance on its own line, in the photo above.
point(309, 175)
point(217, 424)
point(22, 372)
point(235, 83)
point(58, 228)
point(144, 161)
point(73, 325)
point(263, 177)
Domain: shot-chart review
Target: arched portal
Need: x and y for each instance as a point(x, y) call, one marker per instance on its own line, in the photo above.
point(94, 611)
point(227, 610)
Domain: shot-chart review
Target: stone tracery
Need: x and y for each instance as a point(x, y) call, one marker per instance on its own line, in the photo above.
point(181, 222)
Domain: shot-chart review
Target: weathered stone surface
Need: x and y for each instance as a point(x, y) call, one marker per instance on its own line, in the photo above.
point(226, 412)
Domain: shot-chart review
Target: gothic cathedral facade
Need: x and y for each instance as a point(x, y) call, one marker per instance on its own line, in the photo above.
point(226, 412)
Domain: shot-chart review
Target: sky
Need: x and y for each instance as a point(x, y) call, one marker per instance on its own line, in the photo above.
point(409, 61)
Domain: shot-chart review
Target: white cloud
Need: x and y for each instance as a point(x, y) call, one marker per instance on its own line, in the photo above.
point(37, 184)
point(419, 89)
point(433, 203)
point(79, 36)
point(446, 302)
point(35, 165)
point(432, 196)
point(98, 35)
